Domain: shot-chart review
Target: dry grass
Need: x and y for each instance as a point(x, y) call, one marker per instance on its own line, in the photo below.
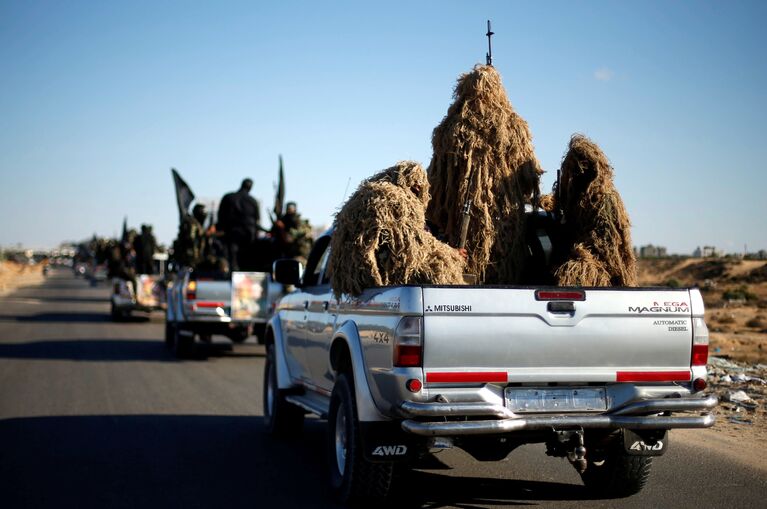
point(483, 151)
point(380, 237)
point(597, 249)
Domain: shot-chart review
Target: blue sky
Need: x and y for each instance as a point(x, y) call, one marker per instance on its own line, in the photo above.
point(98, 100)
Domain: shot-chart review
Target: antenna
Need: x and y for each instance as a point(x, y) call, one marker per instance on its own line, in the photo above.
point(489, 34)
point(346, 190)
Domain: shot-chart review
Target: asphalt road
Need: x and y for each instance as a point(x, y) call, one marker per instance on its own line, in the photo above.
point(96, 414)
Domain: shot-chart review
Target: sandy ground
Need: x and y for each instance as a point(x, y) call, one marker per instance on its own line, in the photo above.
point(13, 275)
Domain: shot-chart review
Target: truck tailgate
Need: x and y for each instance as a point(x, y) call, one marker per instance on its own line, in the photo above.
point(508, 335)
point(212, 298)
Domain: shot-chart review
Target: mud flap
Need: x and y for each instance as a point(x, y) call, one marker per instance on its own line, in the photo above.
point(386, 442)
point(645, 442)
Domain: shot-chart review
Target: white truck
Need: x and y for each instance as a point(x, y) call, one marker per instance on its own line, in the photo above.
point(599, 375)
point(147, 296)
point(235, 305)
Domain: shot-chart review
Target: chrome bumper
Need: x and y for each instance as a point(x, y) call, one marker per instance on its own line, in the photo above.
point(637, 415)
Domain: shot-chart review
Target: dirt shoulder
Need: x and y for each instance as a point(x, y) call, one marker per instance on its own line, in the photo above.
point(14, 275)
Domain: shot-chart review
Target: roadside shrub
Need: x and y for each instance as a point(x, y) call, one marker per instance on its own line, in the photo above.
point(739, 293)
point(758, 322)
point(673, 283)
point(724, 318)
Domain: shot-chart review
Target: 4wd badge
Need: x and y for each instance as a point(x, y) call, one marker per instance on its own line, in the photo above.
point(390, 450)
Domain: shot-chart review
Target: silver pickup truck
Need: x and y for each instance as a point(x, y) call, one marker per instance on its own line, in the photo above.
point(599, 375)
point(235, 305)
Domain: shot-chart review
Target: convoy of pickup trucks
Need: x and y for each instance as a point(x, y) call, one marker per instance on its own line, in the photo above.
point(598, 375)
point(594, 368)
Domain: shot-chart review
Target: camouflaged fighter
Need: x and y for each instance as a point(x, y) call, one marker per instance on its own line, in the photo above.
point(600, 375)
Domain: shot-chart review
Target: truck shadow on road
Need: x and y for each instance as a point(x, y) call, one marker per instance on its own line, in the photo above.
point(117, 350)
point(121, 350)
point(64, 317)
point(79, 317)
point(164, 461)
point(157, 461)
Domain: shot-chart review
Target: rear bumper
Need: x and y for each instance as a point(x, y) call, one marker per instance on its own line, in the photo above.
point(434, 419)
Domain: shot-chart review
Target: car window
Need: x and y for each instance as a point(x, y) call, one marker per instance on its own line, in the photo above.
point(313, 264)
point(325, 267)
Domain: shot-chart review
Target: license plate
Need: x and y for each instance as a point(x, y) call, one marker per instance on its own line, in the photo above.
point(550, 400)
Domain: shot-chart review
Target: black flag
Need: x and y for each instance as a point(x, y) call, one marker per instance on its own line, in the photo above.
point(124, 238)
point(279, 197)
point(184, 195)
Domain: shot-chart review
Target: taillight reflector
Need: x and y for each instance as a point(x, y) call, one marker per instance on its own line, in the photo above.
point(699, 384)
point(560, 295)
point(414, 385)
point(653, 376)
point(467, 376)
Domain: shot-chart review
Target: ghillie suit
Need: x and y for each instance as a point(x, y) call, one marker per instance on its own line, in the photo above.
point(595, 249)
point(483, 151)
point(380, 237)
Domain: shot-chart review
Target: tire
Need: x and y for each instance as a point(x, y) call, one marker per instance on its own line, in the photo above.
point(259, 330)
point(281, 418)
point(170, 335)
point(114, 313)
point(239, 336)
point(615, 473)
point(183, 345)
point(352, 478)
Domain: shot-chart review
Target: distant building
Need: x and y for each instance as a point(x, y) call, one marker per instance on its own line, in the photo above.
point(706, 252)
point(650, 251)
point(759, 255)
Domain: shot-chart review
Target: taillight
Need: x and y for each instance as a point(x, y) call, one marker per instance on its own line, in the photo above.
point(191, 290)
point(699, 342)
point(408, 348)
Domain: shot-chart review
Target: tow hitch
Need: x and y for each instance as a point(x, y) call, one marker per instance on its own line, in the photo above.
point(569, 444)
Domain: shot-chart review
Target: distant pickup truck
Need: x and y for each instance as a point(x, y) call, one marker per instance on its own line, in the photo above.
point(235, 305)
point(147, 297)
point(599, 375)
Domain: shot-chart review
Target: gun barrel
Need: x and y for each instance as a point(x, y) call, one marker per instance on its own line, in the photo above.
point(465, 225)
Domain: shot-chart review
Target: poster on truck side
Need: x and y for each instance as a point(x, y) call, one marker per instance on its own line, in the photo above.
point(249, 295)
point(150, 291)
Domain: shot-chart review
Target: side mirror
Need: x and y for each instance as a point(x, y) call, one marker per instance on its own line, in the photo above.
point(287, 271)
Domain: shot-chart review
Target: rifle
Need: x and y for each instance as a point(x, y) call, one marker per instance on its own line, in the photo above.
point(466, 217)
point(466, 214)
point(489, 55)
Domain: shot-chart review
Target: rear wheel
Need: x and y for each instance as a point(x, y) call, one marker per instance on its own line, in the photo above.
point(115, 314)
point(615, 473)
point(352, 477)
point(183, 342)
point(170, 335)
point(239, 335)
point(281, 418)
